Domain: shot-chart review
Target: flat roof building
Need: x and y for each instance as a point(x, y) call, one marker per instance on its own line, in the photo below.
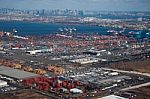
point(85, 60)
point(15, 73)
point(3, 83)
point(112, 97)
point(33, 52)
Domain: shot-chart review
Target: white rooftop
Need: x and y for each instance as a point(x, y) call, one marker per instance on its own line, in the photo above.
point(112, 97)
point(1, 81)
point(75, 90)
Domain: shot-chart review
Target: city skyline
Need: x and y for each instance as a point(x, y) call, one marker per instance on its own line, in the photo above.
point(97, 5)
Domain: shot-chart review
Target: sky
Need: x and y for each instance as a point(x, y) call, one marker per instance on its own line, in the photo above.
point(97, 5)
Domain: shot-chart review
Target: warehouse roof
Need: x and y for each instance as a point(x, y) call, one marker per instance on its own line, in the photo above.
point(112, 97)
point(15, 73)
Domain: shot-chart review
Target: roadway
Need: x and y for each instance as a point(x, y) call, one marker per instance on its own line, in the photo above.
point(131, 72)
point(136, 86)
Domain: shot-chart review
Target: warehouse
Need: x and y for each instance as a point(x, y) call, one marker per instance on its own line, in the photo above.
point(75, 90)
point(85, 60)
point(15, 73)
point(112, 97)
point(3, 83)
point(33, 52)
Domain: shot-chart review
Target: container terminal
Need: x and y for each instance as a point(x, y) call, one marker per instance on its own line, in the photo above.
point(69, 66)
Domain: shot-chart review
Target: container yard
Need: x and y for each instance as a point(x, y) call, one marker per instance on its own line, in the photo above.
point(74, 49)
point(58, 86)
point(80, 66)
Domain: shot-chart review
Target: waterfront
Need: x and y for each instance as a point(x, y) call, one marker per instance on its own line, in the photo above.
point(33, 28)
point(37, 28)
point(72, 49)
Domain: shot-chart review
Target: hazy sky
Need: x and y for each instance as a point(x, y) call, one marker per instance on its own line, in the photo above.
point(117, 5)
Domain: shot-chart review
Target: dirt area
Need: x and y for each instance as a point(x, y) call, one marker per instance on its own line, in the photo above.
point(139, 93)
point(142, 93)
point(23, 94)
point(135, 65)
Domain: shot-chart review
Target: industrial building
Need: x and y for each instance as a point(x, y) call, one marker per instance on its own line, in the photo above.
point(85, 60)
point(15, 73)
point(75, 90)
point(3, 83)
point(39, 51)
point(97, 53)
point(112, 97)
